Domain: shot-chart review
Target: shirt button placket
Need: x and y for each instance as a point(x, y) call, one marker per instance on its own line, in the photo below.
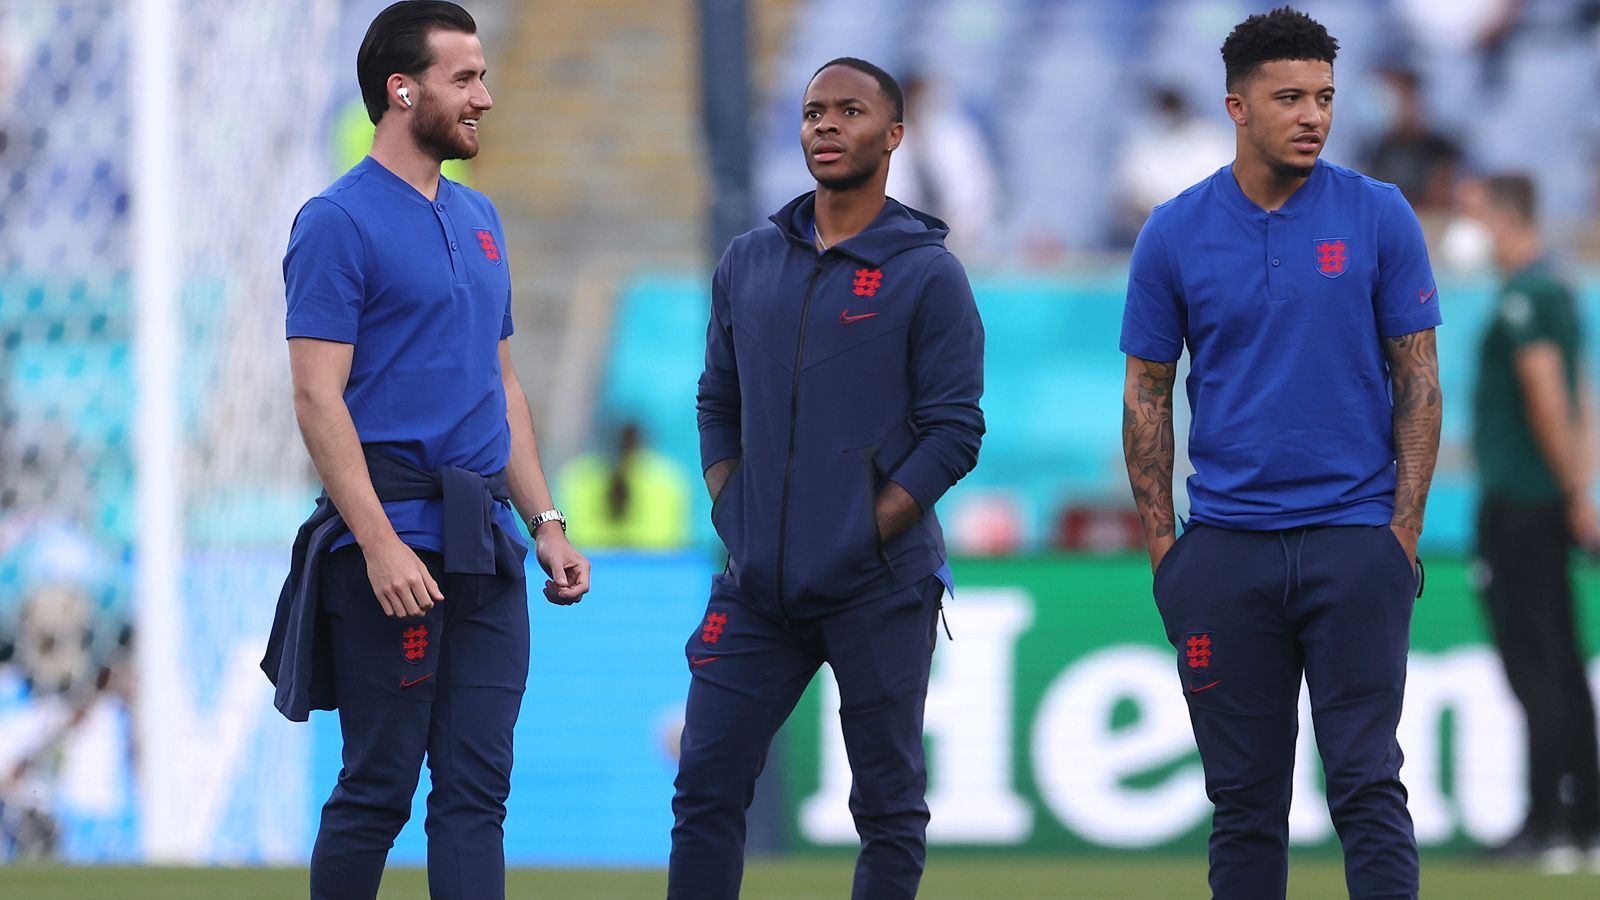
point(456, 266)
point(1274, 290)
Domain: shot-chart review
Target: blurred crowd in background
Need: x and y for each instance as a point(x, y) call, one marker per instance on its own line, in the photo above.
point(1059, 125)
point(1043, 131)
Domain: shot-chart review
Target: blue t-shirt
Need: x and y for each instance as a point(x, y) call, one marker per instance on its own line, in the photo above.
point(1284, 315)
point(422, 290)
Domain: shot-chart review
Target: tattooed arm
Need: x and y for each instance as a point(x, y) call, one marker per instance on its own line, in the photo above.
point(1414, 372)
point(1147, 447)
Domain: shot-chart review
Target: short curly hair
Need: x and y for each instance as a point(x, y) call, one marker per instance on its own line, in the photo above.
point(886, 83)
point(1284, 33)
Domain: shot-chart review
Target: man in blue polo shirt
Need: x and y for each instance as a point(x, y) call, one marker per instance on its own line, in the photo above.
point(1304, 295)
point(406, 605)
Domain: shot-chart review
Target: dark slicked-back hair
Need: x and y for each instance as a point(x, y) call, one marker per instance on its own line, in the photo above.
point(886, 83)
point(1513, 191)
point(397, 41)
point(1284, 33)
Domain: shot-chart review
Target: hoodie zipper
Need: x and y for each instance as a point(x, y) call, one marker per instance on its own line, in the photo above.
point(794, 421)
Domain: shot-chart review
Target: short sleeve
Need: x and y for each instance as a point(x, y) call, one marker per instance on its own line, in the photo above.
point(506, 328)
point(1154, 319)
point(1527, 316)
point(1406, 300)
point(322, 274)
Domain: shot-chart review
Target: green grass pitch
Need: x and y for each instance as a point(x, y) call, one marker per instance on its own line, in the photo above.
point(948, 878)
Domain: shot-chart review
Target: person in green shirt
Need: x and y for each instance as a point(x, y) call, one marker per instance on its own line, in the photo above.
point(1532, 433)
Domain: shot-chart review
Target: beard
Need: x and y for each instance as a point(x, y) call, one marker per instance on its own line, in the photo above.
point(1280, 162)
point(436, 131)
point(850, 179)
point(1286, 170)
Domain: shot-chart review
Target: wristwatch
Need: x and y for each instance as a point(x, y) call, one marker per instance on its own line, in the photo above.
point(547, 516)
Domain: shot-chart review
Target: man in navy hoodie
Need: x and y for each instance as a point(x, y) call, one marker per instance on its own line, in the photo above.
point(844, 364)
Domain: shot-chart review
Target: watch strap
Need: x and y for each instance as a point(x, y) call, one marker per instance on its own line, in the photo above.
point(548, 515)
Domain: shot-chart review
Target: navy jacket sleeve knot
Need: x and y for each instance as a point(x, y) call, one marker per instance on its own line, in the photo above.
point(298, 651)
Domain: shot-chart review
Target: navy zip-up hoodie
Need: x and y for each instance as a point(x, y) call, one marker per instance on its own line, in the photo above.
point(828, 376)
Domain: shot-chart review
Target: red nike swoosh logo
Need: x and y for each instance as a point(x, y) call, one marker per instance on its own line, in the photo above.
point(702, 660)
point(845, 318)
point(405, 683)
point(1205, 687)
point(1425, 296)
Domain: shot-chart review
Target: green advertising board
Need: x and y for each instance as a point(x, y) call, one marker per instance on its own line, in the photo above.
point(1056, 722)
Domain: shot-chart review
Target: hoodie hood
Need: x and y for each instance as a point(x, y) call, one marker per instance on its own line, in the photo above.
point(896, 229)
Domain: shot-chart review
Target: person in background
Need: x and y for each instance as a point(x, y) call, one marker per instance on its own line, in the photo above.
point(949, 171)
point(1411, 154)
point(1170, 149)
point(631, 497)
point(1534, 436)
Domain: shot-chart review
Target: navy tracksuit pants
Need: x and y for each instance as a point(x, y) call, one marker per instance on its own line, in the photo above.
point(748, 672)
point(448, 687)
point(1249, 612)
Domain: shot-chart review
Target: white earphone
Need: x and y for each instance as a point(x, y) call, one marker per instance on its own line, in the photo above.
point(405, 96)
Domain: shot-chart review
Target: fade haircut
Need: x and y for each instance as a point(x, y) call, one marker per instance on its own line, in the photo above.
point(397, 41)
point(886, 83)
point(1515, 193)
point(1284, 33)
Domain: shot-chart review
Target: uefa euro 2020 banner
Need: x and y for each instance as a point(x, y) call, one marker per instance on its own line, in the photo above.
point(1055, 724)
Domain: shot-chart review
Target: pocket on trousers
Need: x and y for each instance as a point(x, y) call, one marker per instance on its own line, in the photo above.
point(413, 645)
point(1397, 552)
point(1169, 563)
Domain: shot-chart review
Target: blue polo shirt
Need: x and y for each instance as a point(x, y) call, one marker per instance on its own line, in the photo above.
point(421, 289)
point(1284, 315)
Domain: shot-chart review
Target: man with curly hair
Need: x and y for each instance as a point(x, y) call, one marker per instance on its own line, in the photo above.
point(1303, 293)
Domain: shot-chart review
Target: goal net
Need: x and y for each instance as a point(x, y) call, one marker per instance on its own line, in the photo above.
point(152, 156)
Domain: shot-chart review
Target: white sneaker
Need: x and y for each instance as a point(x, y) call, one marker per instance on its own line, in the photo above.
point(1562, 859)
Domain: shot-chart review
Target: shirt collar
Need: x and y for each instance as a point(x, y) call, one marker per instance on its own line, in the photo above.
point(368, 165)
point(1297, 203)
point(1538, 266)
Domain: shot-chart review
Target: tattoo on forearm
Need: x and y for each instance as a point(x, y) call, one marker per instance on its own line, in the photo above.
point(1147, 443)
point(1414, 372)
